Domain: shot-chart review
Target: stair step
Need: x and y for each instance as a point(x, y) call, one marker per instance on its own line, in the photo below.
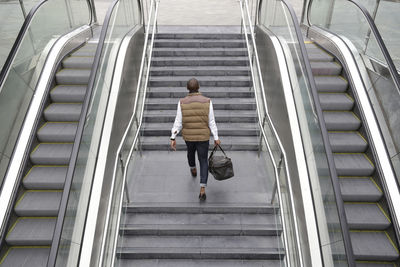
point(229, 143)
point(336, 101)
point(221, 116)
point(211, 36)
point(325, 68)
point(45, 177)
point(73, 76)
point(365, 216)
point(57, 132)
point(39, 204)
point(198, 263)
point(51, 154)
point(319, 56)
point(19, 256)
point(200, 61)
point(334, 84)
point(201, 247)
point(341, 121)
point(74, 62)
point(63, 112)
point(212, 92)
point(359, 189)
point(199, 52)
point(224, 129)
point(200, 71)
point(218, 104)
point(373, 246)
point(199, 43)
point(349, 164)
point(196, 208)
point(68, 93)
point(346, 142)
point(32, 232)
point(215, 81)
point(201, 229)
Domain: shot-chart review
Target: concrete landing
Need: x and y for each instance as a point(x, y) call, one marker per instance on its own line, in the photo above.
point(161, 176)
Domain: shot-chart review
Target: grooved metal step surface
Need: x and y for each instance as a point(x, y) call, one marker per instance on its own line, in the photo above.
point(57, 132)
point(45, 177)
point(212, 92)
point(68, 93)
point(191, 52)
point(62, 112)
point(218, 104)
point(38, 203)
point(32, 232)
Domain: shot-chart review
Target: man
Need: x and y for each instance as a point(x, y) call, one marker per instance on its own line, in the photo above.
point(195, 116)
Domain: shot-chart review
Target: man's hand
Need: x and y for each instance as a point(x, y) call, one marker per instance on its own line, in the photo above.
point(173, 145)
point(217, 142)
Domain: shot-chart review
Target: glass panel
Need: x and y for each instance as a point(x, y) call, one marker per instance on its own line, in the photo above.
point(281, 24)
point(124, 17)
point(49, 22)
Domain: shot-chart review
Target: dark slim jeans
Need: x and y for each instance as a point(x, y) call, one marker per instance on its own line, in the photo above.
point(202, 154)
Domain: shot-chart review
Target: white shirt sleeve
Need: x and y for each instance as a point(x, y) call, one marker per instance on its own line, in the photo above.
point(211, 122)
point(178, 122)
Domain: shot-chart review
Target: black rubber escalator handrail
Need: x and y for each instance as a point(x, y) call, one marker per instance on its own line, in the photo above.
point(325, 138)
point(374, 29)
point(78, 137)
point(18, 41)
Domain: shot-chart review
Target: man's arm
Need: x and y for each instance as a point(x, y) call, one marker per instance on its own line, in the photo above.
point(177, 126)
point(212, 125)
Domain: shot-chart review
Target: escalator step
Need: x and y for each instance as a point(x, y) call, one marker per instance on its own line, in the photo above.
point(341, 121)
point(68, 93)
point(51, 154)
point(359, 189)
point(200, 43)
point(39, 204)
point(200, 71)
point(74, 62)
point(212, 92)
point(218, 104)
point(214, 81)
point(45, 177)
point(57, 132)
point(63, 112)
point(336, 101)
point(21, 256)
point(88, 50)
point(319, 56)
point(73, 76)
point(373, 246)
point(32, 232)
point(200, 61)
point(347, 142)
point(356, 164)
point(194, 52)
point(325, 68)
point(365, 216)
point(330, 84)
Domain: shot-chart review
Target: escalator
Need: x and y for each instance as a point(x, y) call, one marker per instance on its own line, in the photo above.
point(33, 219)
point(373, 238)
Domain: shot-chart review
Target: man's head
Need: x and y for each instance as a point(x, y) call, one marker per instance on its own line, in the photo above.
point(193, 85)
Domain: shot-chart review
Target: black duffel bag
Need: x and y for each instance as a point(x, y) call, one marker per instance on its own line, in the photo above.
point(220, 166)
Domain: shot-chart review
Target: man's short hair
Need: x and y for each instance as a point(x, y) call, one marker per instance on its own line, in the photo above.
point(193, 85)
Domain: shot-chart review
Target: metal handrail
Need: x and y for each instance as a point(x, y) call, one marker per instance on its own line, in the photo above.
point(18, 41)
point(77, 141)
point(118, 157)
point(267, 115)
point(374, 29)
point(325, 137)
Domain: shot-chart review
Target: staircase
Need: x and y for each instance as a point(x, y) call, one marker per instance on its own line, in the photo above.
point(372, 237)
point(35, 213)
point(165, 224)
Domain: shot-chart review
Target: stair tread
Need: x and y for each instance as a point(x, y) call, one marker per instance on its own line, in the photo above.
point(359, 189)
point(341, 121)
point(73, 76)
point(347, 142)
point(198, 263)
point(356, 164)
point(201, 78)
point(68, 93)
point(45, 177)
point(367, 216)
point(199, 40)
point(330, 83)
point(41, 204)
point(217, 113)
point(325, 68)
point(336, 101)
point(57, 132)
point(319, 57)
point(52, 154)
point(19, 256)
point(63, 112)
point(214, 101)
point(32, 232)
point(78, 62)
point(375, 246)
point(185, 36)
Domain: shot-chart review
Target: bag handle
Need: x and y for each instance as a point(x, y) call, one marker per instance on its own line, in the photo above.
point(215, 149)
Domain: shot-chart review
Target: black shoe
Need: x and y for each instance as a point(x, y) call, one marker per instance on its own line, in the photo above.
point(202, 197)
point(193, 172)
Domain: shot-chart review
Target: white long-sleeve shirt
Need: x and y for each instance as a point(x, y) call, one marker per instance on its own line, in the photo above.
point(178, 122)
